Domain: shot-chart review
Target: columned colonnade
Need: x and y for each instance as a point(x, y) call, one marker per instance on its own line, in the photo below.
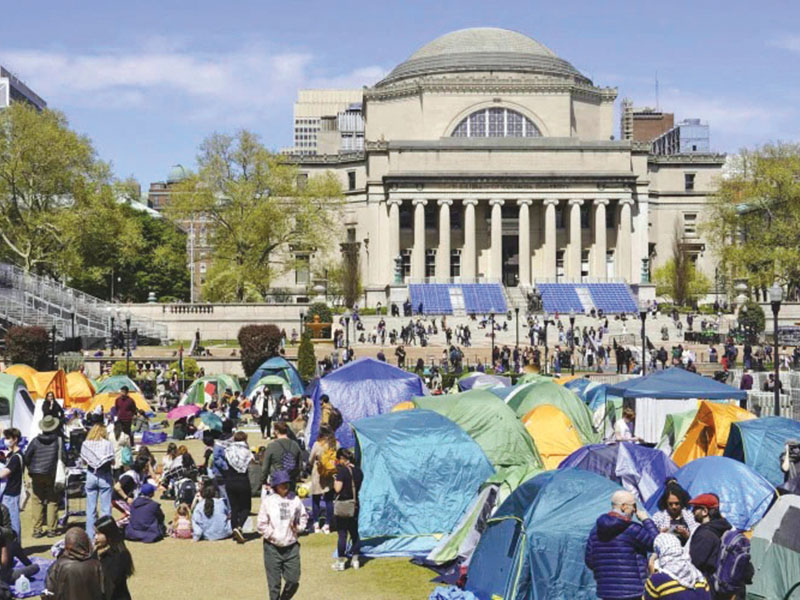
point(571, 203)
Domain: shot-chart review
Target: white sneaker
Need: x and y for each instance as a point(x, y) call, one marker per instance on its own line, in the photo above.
point(325, 529)
point(316, 527)
point(338, 565)
point(355, 563)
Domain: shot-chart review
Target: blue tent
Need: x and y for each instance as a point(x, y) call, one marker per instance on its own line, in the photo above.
point(281, 367)
point(578, 386)
point(675, 383)
point(639, 469)
point(744, 495)
point(759, 444)
point(482, 380)
point(363, 388)
point(421, 471)
point(533, 546)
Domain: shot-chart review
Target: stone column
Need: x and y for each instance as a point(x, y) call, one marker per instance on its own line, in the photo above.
point(550, 238)
point(443, 254)
point(600, 243)
point(418, 253)
point(496, 260)
point(524, 242)
point(394, 229)
point(469, 253)
point(624, 248)
point(574, 249)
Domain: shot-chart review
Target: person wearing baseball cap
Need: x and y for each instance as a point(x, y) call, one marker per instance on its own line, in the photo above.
point(705, 543)
point(147, 519)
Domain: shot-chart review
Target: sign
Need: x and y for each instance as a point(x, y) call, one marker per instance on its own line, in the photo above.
point(789, 335)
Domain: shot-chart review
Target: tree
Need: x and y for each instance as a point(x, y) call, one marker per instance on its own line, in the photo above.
point(751, 318)
point(754, 219)
point(258, 343)
point(118, 368)
point(306, 359)
point(258, 213)
point(190, 368)
point(351, 274)
point(678, 278)
point(28, 346)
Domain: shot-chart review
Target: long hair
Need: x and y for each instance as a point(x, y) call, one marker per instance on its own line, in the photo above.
point(673, 488)
point(327, 437)
point(116, 542)
point(209, 493)
point(97, 433)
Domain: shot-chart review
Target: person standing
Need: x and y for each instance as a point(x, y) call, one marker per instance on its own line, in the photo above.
point(674, 515)
point(280, 520)
point(323, 469)
point(283, 454)
point(617, 549)
point(98, 454)
point(41, 458)
point(123, 456)
point(347, 484)
point(114, 557)
point(126, 410)
point(624, 427)
point(675, 577)
point(238, 457)
point(12, 474)
point(76, 575)
point(51, 407)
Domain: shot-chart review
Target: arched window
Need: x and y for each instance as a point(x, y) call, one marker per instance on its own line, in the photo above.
point(496, 122)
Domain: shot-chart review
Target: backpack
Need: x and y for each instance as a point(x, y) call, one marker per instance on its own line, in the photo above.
point(327, 463)
point(734, 569)
point(288, 461)
point(186, 492)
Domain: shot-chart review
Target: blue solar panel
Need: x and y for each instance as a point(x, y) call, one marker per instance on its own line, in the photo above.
point(479, 298)
point(609, 297)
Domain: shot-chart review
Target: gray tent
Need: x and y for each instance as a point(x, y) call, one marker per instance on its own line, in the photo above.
point(775, 552)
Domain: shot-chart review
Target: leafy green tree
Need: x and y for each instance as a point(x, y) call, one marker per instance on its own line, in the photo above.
point(754, 219)
point(190, 368)
point(679, 279)
point(751, 318)
point(118, 368)
point(306, 359)
point(257, 211)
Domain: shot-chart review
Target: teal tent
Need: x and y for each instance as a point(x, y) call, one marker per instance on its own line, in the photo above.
point(775, 552)
point(421, 471)
point(16, 405)
point(759, 443)
point(114, 385)
point(489, 422)
point(534, 544)
point(277, 365)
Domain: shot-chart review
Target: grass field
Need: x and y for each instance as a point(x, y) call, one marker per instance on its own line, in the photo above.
point(181, 569)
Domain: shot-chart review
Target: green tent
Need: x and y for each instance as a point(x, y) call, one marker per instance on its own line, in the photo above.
point(16, 405)
point(775, 552)
point(675, 428)
point(490, 423)
point(114, 384)
point(277, 386)
point(528, 396)
point(202, 390)
point(533, 378)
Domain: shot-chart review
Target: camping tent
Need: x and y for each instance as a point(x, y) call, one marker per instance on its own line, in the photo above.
point(675, 429)
point(39, 383)
point(775, 552)
point(202, 390)
point(489, 422)
point(553, 433)
point(524, 398)
point(744, 495)
point(277, 387)
point(708, 433)
point(114, 384)
point(421, 471)
point(277, 365)
point(533, 378)
point(16, 405)
point(481, 381)
point(80, 388)
point(107, 399)
point(639, 469)
point(534, 544)
point(362, 388)
point(759, 443)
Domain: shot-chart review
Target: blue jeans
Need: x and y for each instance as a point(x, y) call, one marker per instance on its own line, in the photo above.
point(98, 485)
point(12, 504)
point(316, 508)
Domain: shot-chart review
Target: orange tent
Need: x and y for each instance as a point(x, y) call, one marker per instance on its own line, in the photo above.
point(79, 387)
point(26, 373)
point(553, 433)
point(408, 405)
point(708, 433)
point(107, 399)
point(41, 382)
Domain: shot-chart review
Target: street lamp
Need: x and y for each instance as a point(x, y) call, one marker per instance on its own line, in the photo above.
point(775, 298)
point(346, 316)
point(643, 316)
point(127, 343)
point(302, 322)
point(572, 340)
point(491, 317)
point(516, 312)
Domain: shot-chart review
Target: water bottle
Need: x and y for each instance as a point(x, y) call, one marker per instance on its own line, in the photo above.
point(22, 585)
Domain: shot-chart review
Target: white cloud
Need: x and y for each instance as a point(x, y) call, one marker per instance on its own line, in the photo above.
point(787, 42)
point(238, 86)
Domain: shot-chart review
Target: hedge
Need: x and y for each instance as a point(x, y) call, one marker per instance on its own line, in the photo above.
point(258, 343)
point(28, 346)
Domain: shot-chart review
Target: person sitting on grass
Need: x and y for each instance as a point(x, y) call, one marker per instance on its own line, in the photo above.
point(211, 518)
point(115, 558)
point(76, 575)
point(181, 526)
point(146, 523)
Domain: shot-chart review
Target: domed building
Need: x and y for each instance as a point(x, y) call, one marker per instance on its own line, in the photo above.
point(487, 157)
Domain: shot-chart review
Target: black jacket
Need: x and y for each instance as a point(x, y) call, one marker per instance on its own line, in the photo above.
point(116, 566)
point(41, 455)
point(705, 544)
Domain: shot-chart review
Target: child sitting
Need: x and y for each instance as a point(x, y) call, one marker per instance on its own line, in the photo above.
point(181, 527)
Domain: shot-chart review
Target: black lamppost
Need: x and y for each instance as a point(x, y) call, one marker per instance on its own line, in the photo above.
point(127, 343)
point(516, 312)
point(775, 298)
point(572, 340)
point(53, 347)
point(112, 335)
point(491, 317)
point(302, 324)
point(643, 316)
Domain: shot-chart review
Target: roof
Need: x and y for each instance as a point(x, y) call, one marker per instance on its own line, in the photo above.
point(483, 49)
point(675, 383)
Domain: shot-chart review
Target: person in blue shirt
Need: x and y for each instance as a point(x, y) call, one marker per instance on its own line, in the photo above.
point(211, 518)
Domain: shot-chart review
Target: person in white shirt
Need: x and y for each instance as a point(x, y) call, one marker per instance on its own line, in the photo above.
point(280, 519)
point(623, 428)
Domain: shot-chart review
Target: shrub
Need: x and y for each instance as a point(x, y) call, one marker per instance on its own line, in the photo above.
point(752, 319)
point(29, 346)
point(306, 359)
point(190, 368)
point(118, 368)
point(258, 343)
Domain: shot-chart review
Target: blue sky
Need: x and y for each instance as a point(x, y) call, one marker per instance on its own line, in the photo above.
point(147, 81)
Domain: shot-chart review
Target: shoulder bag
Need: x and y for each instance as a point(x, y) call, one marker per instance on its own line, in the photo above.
point(346, 509)
point(61, 471)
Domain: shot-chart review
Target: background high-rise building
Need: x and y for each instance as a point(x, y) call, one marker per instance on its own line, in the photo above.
point(690, 136)
point(14, 90)
point(643, 124)
point(327, 122)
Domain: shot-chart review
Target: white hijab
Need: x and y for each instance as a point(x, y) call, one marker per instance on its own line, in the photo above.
point(673, 560)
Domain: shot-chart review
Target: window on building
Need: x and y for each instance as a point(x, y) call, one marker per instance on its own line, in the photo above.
point(496, 122)
point(351, 180)
point(302, 270)
point(431, 215)
point(405, 254)
point(406, 214)
point(559, 264)
point(430, 262)
point(585, 213)
point(690, 224)
point(559, 217)
point(611, 216)
point(455, 263)
point(688, 181)
point(302, 181)
point(456, 217)
point(202, 267)
point(351, 234)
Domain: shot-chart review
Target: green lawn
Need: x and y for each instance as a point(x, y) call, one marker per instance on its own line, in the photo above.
point(181, 569)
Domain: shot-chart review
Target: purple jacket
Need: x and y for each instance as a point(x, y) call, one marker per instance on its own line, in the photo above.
point(146, 523)
point(617, 554)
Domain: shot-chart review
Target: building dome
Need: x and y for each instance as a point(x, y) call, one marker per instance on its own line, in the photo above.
point(483, 49)
point(177, 173)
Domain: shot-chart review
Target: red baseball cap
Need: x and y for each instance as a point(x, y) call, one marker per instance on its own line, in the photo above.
point(705, 500)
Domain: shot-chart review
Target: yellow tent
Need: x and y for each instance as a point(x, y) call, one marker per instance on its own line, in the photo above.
point(708, 433)
point(553, 433)
point(80, 388)
point(107, 399)
point(407, 405)
point(26, 373)
point(39, 383)
point(566, 379)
